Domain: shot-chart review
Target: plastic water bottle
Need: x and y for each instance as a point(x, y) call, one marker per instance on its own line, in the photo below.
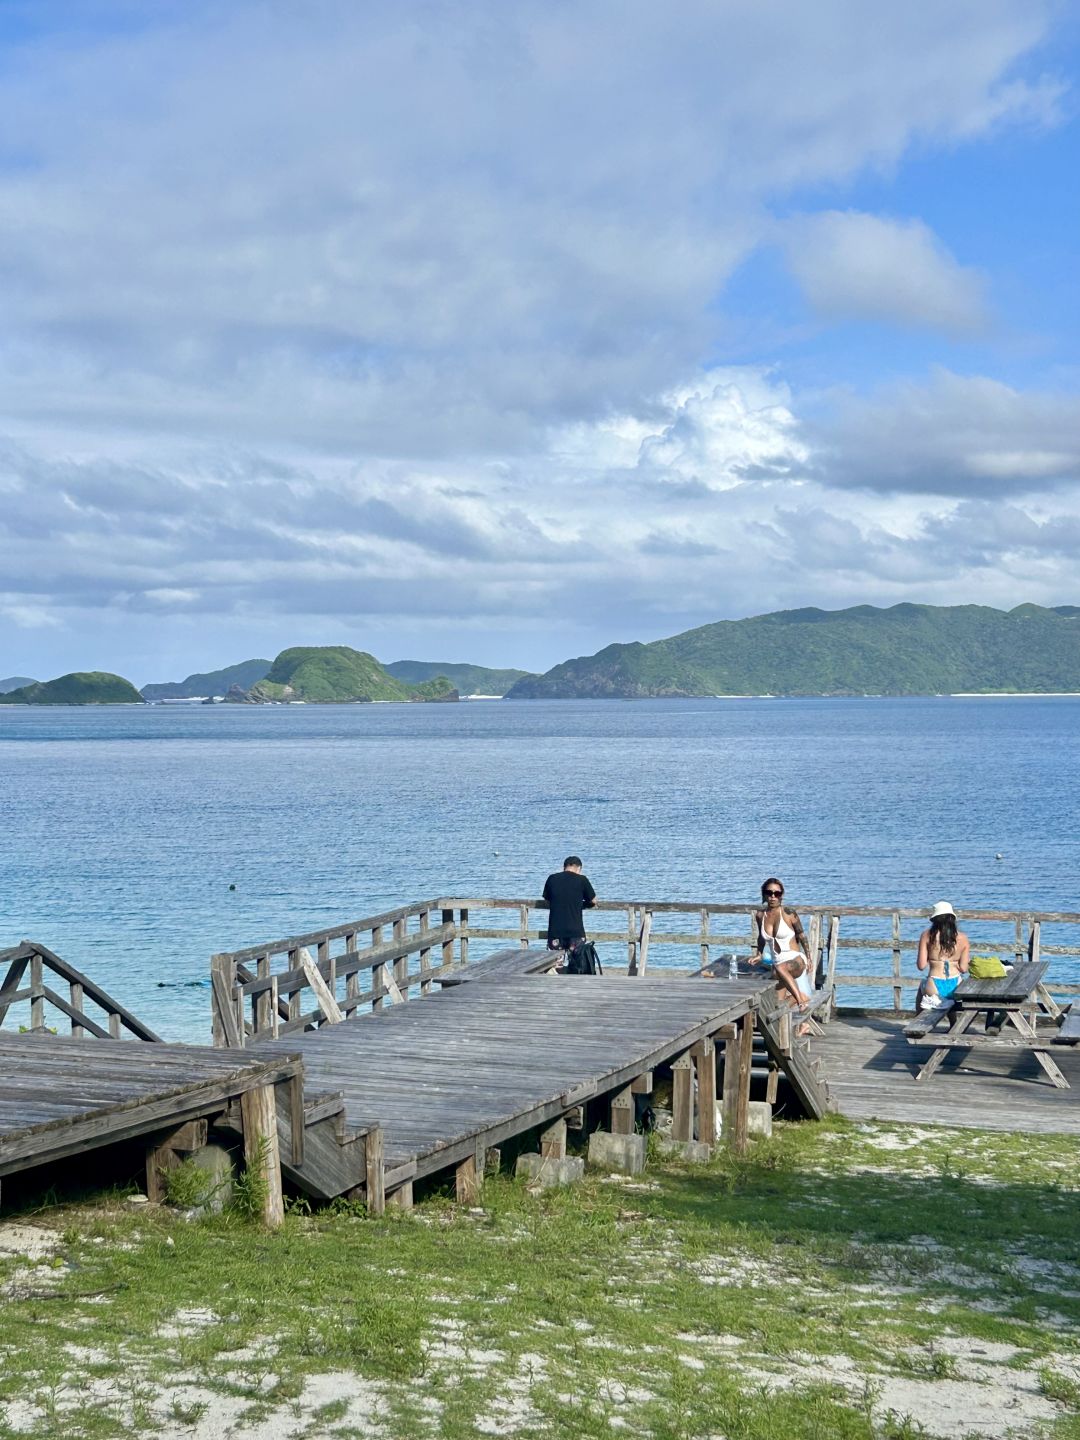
point(733, 966)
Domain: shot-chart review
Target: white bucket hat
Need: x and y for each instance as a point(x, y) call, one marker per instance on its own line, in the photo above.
point(942, 908)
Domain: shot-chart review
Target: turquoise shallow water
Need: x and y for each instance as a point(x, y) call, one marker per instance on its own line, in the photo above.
point(123, 828)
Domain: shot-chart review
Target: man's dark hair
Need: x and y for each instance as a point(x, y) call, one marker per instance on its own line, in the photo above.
point(571, 860)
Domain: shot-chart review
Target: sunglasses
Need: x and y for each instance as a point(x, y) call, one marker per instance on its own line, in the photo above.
point(769, 893)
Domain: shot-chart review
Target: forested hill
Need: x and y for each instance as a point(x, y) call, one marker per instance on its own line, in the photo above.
point(81, 687)
point(468, 679)
point(902, 650)
point(210, 682)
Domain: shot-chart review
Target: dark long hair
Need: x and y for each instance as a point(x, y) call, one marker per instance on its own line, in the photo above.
point(944, 928)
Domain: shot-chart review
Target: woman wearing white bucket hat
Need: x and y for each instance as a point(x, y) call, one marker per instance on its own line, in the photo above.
point(944, 953)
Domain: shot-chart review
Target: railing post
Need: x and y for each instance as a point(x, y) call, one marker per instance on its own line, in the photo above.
point(352, 982)
point(262, 1017)
point(425, 955)
point(222, 1004)
point(834, 942)
point(401, 962)
point(897, 994)
point(815, 951)
point(1019, 946)
point(643, 944)
point(704, 938)
point(631, 940)
point(377, 971)
point(75, 995)
point(523, 920)
point(323, 957)
point(37, 999)
point(448, 942)
point(463, 936)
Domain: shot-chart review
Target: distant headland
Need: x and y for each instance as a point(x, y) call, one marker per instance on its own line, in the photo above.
point(900, 650)
point(903, 650)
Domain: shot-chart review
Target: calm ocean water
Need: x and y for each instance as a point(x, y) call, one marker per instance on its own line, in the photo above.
point(123, 829)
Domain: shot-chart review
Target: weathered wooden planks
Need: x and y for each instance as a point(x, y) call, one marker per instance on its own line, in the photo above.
point(60, 1095)
point(475, 1064)
point(870, 1066)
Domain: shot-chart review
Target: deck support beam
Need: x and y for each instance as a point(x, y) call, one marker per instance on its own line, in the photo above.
point(467, 1181)
point(374, 1172)
point(622, 1112)
point(553, 1141)
point(738, 1054)
point(682, 1098)
point(259, 1111)
point(164, 1152)
point(704, 1055)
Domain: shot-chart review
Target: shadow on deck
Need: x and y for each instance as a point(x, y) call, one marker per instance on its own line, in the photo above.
point(871, 1069)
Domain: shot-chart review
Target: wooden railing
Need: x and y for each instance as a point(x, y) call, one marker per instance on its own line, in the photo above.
point(326, 976)
point(866, 934)
point(39, 1007)
point(305, 981)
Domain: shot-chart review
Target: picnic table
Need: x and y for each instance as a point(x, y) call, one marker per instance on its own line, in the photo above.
point(1015, 1000)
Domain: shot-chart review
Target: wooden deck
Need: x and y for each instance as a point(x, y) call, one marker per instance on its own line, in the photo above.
point(61, 1096)
point(871, 1068)
point(465, 1068)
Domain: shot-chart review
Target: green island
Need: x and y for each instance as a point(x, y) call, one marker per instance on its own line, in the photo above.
point(840, 1282)
point(466, 679)
point(336, 674)
point(903, 650)
point(210, 682)
point(438, 689)
point(82, 687)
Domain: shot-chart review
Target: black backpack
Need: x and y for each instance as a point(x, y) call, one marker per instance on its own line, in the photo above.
point(583, 960)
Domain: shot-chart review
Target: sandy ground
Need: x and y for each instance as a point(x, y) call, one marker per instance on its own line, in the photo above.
point(985, 1394)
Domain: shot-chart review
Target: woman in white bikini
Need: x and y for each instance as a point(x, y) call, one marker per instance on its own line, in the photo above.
point(944, 953)
point(783, 945)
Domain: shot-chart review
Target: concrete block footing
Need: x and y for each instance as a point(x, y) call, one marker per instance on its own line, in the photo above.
point(625, 1153)
point(696, 1152)
point(760, 1118)
point(544, 1171)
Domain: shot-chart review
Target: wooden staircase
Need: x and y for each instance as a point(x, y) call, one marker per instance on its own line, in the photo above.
point(791, 1053)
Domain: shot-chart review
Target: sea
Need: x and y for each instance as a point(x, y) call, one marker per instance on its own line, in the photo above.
point(136, 841)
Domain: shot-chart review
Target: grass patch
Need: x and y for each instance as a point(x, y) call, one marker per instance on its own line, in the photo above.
point(824, 1286)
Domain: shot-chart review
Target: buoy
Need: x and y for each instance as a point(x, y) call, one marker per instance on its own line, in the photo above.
point(233, 887)
point(999, 856)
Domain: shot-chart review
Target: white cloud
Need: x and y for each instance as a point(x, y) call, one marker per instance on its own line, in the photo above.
point(868, 267)
point(715, 500)
point(382, 320)
point(430, 230)
point(963, 435)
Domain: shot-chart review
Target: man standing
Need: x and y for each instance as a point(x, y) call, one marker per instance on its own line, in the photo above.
point(566, 894)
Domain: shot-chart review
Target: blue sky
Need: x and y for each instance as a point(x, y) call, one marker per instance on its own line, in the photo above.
point(468, 331)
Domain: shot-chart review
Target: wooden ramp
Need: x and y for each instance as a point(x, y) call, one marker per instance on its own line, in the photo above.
point(871, 1068)
point(462, 1069)
point(61, 1096)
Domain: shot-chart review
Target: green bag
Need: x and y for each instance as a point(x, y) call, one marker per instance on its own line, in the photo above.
point(986, 967)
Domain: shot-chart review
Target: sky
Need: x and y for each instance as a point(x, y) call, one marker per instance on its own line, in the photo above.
point(488, 332)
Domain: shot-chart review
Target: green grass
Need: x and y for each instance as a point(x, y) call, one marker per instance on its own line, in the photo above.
point(793, 1294)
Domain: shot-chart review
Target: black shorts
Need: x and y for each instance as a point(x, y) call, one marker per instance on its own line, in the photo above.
point(564, 942)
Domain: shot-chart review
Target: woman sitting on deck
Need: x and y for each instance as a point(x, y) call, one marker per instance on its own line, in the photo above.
point(945, 953)
point(782, 944)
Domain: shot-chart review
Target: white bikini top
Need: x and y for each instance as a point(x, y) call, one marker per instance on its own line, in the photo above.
point(778, 943)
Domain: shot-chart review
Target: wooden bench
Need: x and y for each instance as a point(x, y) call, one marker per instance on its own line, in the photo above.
point(1069, 1029)
point(922, 1023)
